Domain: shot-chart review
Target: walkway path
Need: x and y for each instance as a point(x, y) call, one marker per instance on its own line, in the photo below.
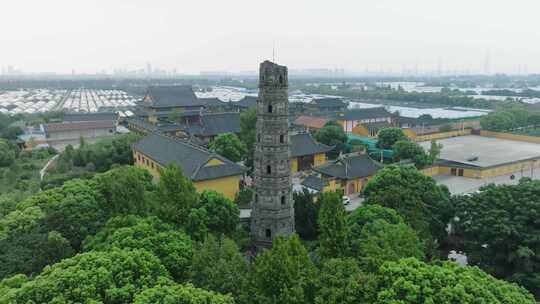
point(44, 170)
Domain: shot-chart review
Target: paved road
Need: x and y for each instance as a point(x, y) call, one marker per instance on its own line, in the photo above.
point(356, 202)
point(464, 185)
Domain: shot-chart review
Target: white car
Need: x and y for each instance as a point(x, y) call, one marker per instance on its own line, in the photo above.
point(346, 200)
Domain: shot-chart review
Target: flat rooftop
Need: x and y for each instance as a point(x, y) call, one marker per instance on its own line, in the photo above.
point(490, 151)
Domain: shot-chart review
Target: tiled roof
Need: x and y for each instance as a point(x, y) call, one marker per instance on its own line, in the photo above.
point(146, 113)
point(303, 144)
point(314, 182)
point(191, 158)
point(99, 116)
point(247, 102)
point(211, 124)
point(329, 103)
point(311, 122)
point(350, 167)
point(77, 126)
point(215, 123)
point(213, 102)
point(366, 113)
point(173, 96)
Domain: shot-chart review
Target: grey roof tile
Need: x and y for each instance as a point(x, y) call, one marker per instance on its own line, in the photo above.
point(366, 113)
point(99, 116)
point(189, 157)
point(329, 103)
point(305, 144)
point(350, 167)
point(314, 182)
point(247, 102)
point(173, 96)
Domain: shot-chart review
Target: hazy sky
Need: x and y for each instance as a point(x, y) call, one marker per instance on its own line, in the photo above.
point(234, 35)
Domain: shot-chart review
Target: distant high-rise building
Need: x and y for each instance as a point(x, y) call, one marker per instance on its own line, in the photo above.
point(273, 211)
point(148, 69)
point(487, 63)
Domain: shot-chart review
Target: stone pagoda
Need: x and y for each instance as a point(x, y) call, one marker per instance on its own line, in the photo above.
point(272, 208)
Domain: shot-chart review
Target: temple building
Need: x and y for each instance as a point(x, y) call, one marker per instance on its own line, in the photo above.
point(351, 118)
point(178, 101)
point(207, 170)
point(306, 152)
point(175, 111)
point(349, 174)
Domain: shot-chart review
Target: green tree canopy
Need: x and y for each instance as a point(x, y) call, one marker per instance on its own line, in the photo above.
point(173, 247)
point(370, 213)
point(306, 214)
point(72, 210)
point(180, 294)
point(339, 282)
point(408, 150)
point(411, 281)
point(229, 146)
point(415, 196)
point(219, 266)
point(434, 150)
point(31, 251)
point(48, 227)
point(95, 277)
point(175, 196)
point(332, 135)
point(380, 241)
point(387, 137)
point(378, 234)
point(500, 230)
point(284, 274)
point(507, 118)
point(409, 206)
point(124, 190)
point(7, 154)
point(222, 214)
point(333, 226)
point(11, 133)
point(106, 152)
point(248, 129)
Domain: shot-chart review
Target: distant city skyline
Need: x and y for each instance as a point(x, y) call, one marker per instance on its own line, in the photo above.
point(356, 37)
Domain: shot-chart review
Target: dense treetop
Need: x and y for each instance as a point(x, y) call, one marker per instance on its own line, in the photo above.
point(418, 199)
point(500, 228)
point(119, 237)
point(229, 146)
point(412, 281)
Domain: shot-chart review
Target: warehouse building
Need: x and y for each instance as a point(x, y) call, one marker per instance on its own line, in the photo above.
point(483, 157)
point(89, 126)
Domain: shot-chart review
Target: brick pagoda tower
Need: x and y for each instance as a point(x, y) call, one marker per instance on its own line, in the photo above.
point(272, 208)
